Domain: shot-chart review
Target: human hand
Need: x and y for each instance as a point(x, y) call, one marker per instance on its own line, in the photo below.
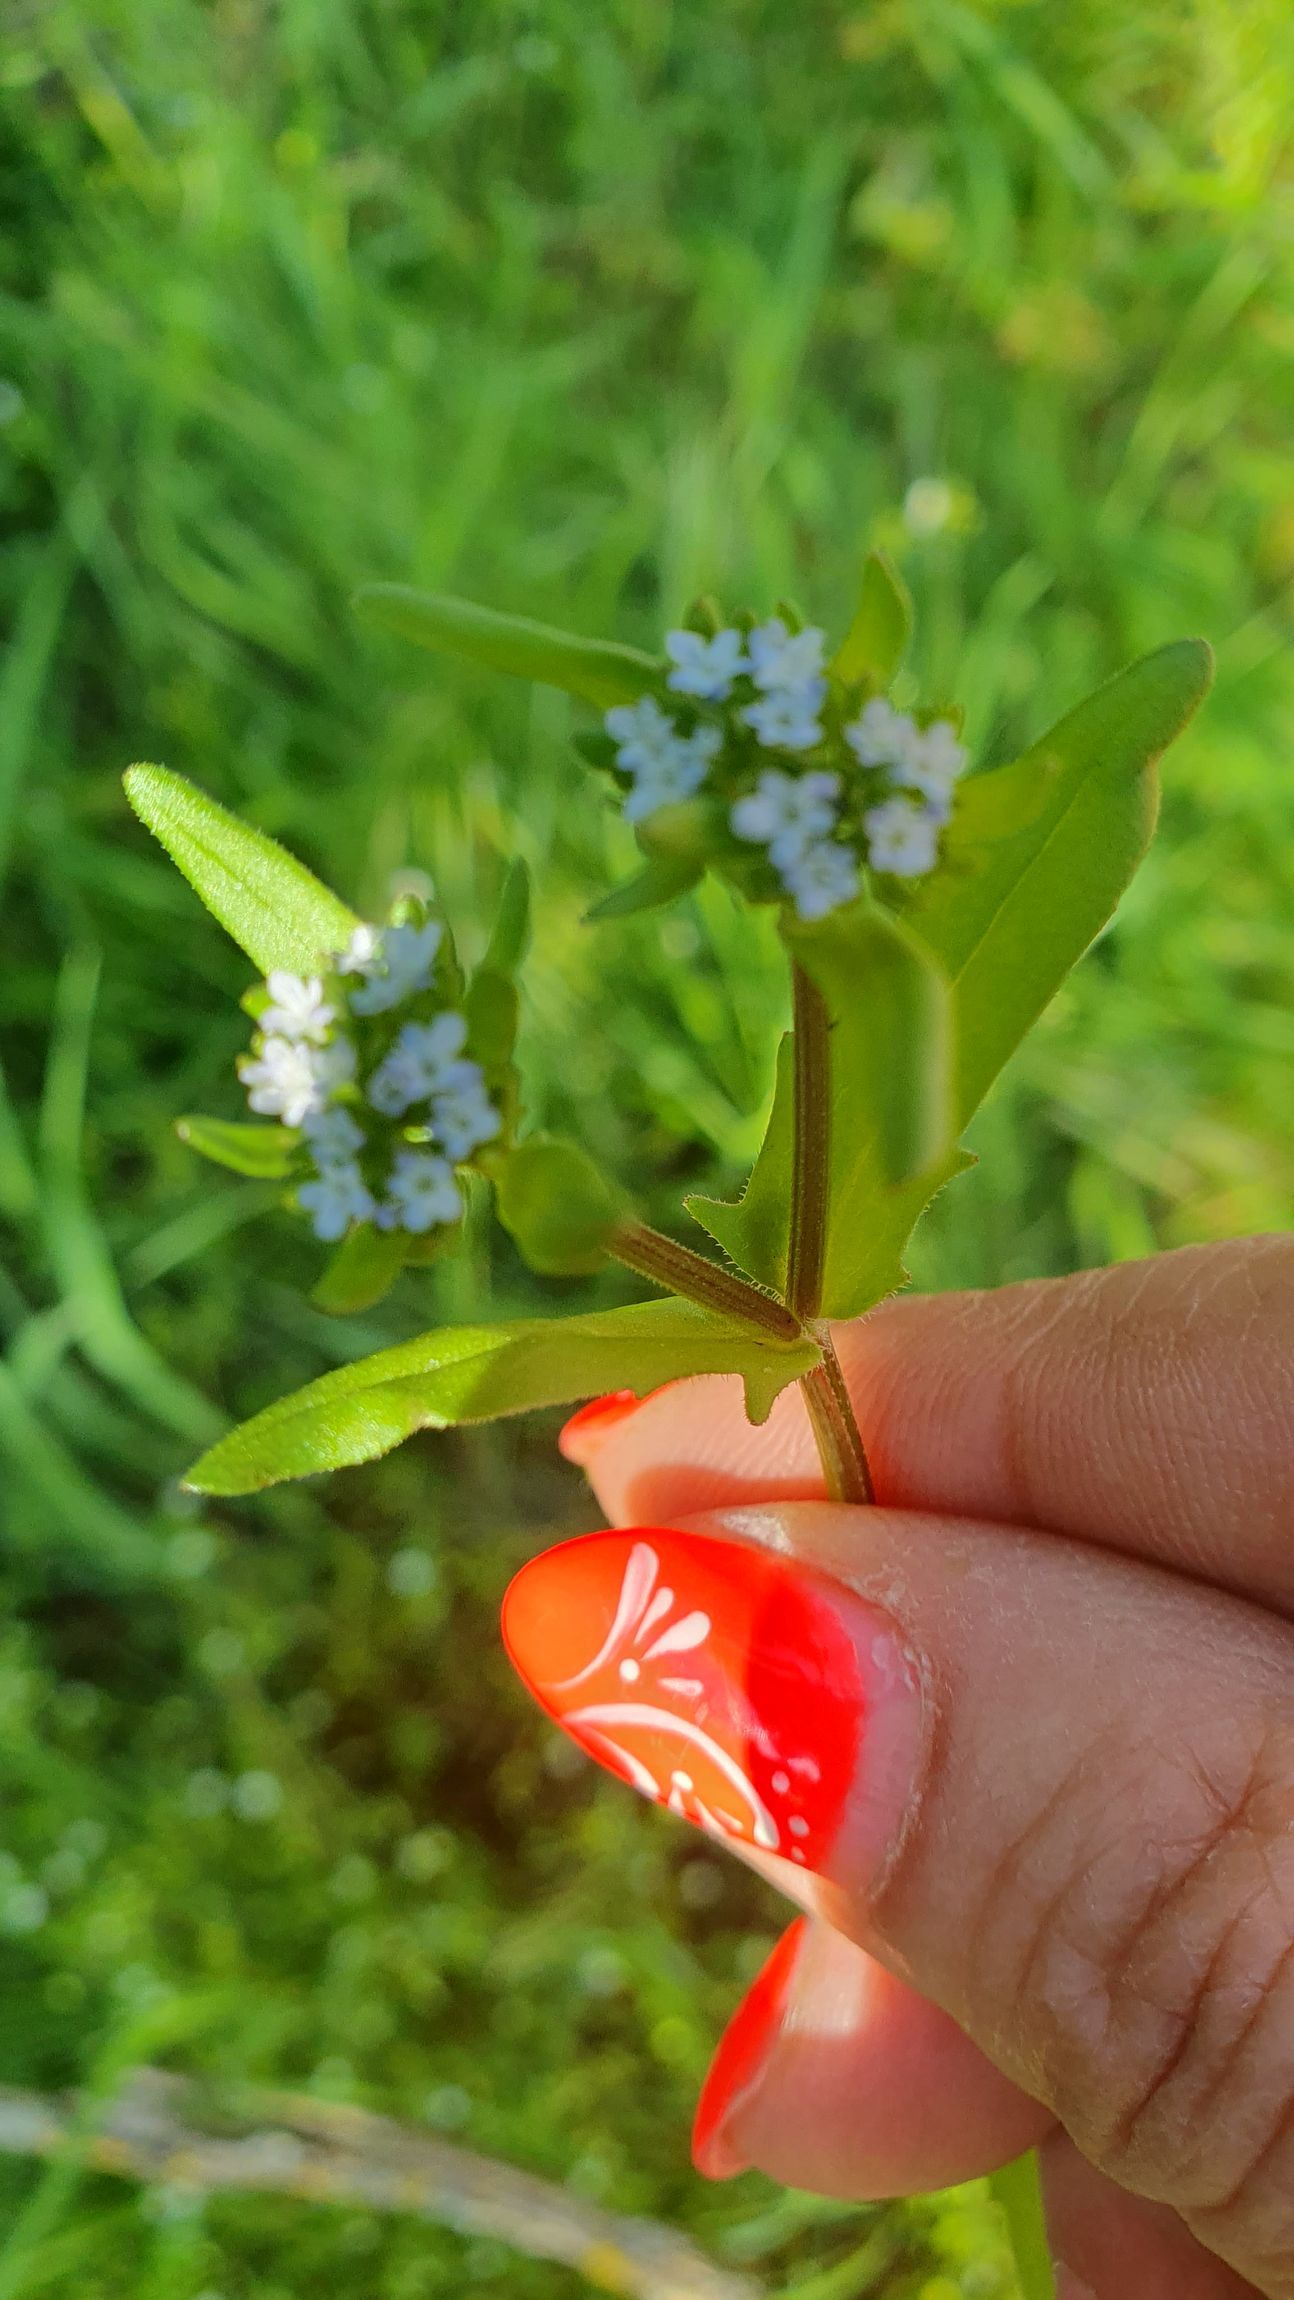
point(1020, 1741)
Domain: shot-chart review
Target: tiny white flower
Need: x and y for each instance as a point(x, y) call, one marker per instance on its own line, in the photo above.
point(339, 1197)
point(463, 1116)
point(431, 1045)
point(333, 1136)
point(400, 967)
point(674, 776)
point(822, 877)
point(779, 659)
point(705, 667)
point(644, 733)
point(280, 1080)
point(901, 838)
point(934, 760)
point(881, 736)
point(289, 1080)
point(361, 951)
point(785, 812)
point(421, 1062)
point(297, 1008)
point(421, 1193)
point(787, 718)
point(393, 1086)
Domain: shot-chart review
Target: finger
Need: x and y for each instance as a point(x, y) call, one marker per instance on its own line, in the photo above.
point(1149, 1407)
point(1050, 1786)
point(833, 2075)
point(1118, 2247)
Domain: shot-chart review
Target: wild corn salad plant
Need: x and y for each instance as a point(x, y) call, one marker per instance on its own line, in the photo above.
point(928, 911)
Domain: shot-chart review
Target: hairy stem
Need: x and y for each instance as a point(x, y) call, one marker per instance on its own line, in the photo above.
point(831, 1414)
point(678, 1270)
point(811, 1047)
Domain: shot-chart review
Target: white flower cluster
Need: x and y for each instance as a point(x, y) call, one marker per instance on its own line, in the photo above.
point(816, 824)
point(325, 1064)
point(924, 762)
point(665, 764)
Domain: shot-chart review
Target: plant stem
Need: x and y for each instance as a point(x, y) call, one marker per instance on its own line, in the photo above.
point(811, 1154)
point(1016, 2192)
point(831, 1414)
point(678, 1270)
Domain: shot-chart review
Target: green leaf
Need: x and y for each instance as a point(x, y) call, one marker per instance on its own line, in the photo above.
point(559, 1208)
point(598, 670)
point(891, 1054)
point(891, 1143)
point(274, 908)
point(664, 878)
point(490, 1005)
point(1037, 857)
point(476, 1373)
point(265, 1152)
point(363, 1269)
point(875, 643)
point(1039, 853)
point(510, 935)
point(755, 1231)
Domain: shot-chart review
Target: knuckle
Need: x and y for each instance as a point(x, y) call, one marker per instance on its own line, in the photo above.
point(1149, 1970)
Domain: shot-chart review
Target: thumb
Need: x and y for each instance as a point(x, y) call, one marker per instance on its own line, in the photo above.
point(1051, 1786)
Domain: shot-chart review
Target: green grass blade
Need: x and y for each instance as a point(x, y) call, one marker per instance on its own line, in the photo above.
point(76, 1517)
point(106, 1333)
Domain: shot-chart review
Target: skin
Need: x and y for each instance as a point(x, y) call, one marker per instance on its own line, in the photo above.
point(1082, 1934)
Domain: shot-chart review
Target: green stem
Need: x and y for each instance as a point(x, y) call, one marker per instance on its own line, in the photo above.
point(1018, 2195)
point(811, 1154)
point(831, 1414)
point(678, 1270)
point(831, 1417)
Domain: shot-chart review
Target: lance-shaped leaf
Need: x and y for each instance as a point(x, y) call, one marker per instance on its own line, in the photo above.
point(363, 1269)
point(274, 908)
point(1039, 853)
point(264, 1152)
point(598, 670)
point(490, 1005)
point(890, 1143)
point(477, 1373)
point(875, 643)
point(510, 934)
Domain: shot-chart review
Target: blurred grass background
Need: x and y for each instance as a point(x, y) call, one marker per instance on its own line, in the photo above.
point(580, 310)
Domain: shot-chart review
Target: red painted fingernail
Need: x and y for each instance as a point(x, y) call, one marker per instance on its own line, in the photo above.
point(743, 2050)
point(731, 1685)
point(579, 1438)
